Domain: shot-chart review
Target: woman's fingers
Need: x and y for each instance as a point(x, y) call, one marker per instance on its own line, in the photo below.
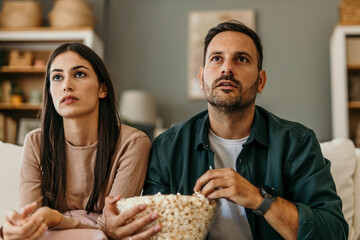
point(129, 214)
point(22, 232)
point(28, 209)
point(39, 232)
point(148, 233)
point(14, 218)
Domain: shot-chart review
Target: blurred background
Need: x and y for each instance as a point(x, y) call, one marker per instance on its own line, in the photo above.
point(146, 48)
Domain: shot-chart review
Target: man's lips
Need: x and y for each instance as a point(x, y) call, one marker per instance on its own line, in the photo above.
point(69, 99)
point(226, 83)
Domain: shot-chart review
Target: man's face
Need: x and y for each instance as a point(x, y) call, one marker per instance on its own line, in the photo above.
point(230, 78)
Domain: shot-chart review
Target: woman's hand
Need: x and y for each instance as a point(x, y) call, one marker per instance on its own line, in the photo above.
point(20, 225)
point(51, 217)
point(116, 226)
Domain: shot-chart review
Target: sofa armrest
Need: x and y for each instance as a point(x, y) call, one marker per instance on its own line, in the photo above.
point(357, 195)
point(10, 156)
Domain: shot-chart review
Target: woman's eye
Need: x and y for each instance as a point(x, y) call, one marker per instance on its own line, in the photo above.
point(80, 74)
point(57, 78)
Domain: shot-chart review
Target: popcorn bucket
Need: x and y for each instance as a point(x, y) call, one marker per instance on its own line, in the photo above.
point(182, 217)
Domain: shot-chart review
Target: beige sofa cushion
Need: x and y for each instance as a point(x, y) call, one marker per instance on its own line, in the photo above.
point(357, 195)
point(341, 153)
point(10, 156)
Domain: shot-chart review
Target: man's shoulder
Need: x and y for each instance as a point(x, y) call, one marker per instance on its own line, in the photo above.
point(184, 129)
point(279, 125)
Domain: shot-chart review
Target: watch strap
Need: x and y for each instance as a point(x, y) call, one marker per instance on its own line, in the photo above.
point(266, 203)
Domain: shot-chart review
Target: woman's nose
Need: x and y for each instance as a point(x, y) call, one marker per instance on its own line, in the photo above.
point(67, 85)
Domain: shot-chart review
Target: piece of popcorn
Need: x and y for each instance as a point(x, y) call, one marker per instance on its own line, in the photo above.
point(181, 216)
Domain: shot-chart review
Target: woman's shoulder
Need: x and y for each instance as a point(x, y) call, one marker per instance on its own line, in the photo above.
point(34, 135)
point(130, 132)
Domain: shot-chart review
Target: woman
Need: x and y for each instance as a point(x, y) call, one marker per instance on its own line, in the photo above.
point(78, 157)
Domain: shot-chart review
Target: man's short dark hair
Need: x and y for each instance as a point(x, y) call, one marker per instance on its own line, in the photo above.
point(235, 26)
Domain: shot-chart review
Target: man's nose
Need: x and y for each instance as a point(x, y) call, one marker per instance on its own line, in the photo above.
point(227, 68)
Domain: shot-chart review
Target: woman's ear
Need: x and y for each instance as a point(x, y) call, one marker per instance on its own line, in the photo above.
point(102, 91)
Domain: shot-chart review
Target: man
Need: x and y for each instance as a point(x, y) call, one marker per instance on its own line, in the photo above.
point(268, 173)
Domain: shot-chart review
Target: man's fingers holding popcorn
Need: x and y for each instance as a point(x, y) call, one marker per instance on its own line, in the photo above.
point(226, 183)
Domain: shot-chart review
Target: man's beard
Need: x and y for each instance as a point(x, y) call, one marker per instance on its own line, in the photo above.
point(226, 102)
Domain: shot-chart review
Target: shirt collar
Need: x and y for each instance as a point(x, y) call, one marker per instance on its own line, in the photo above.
point(259, 130)
point(202, 132)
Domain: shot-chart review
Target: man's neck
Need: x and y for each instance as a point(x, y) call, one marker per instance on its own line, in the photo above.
point(234, 125)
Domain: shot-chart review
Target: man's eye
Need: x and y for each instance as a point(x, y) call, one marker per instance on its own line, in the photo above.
point(215, 59)
point(243, 59)
point(80, 74)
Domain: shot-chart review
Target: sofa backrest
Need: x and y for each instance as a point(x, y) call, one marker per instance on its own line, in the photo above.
point(10, 156)
point(342, 155)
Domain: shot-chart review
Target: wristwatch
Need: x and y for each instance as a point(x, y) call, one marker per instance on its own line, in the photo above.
point(269, 195)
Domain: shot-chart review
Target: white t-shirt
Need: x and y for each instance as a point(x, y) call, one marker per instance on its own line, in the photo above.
point(231, 222)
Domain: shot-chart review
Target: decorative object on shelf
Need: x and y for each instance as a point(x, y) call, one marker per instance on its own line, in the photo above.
point(349, 12)
point(35, 97)
point(21, 14)
point(20, 58)
point(71, 13)
point(138, 109)
point(16, 95)
point(6, 88)
point(26, 125)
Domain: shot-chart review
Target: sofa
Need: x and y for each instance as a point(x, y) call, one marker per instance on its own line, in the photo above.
point(345, 167)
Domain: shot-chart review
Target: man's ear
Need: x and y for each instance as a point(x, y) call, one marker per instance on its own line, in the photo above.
point(102, 91)
point(200, 78)
point(262, 81)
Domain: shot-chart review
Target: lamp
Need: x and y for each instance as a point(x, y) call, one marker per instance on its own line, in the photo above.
point(138, 109)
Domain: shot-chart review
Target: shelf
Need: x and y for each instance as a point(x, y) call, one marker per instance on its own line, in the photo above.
point(22, 106)
point(22, 69)
point(353, 67)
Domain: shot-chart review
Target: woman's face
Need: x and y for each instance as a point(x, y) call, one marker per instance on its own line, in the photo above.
point(74, 86)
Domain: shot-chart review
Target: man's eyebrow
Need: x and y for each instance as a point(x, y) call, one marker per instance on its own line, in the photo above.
point(239, 53)
point(244, 53)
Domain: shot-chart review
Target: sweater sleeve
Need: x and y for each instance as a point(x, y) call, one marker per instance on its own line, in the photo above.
point(30, 173)
point(131, 165)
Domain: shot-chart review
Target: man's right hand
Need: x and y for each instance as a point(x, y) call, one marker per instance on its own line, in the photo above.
point(117, 226)
point(19, 225)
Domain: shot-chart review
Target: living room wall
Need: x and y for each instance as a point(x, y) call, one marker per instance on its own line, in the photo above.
point(146, 48)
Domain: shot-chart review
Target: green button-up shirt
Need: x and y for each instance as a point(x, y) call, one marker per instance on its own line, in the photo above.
point(278, 153)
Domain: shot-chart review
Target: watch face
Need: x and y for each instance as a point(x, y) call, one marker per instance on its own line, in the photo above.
point(269, 190)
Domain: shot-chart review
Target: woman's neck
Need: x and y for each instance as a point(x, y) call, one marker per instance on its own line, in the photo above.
point(81, 132)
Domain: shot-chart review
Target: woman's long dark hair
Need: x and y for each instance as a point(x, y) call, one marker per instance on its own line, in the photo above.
point(53, 157)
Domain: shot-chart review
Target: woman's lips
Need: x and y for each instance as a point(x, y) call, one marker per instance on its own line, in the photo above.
point(69, 99)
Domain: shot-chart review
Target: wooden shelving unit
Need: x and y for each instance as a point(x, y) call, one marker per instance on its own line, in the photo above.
point(22, 69)
point(344, 73)
point(41, 42)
